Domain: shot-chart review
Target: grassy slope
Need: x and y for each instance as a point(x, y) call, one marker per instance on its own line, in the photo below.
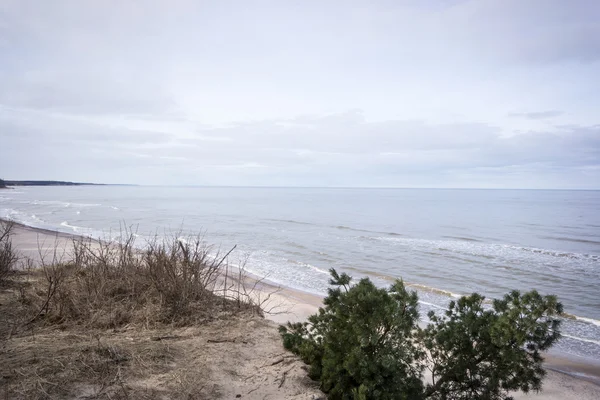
point(113, 323)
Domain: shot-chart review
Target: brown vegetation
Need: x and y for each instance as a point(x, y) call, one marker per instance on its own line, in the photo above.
point(8, 257)
point(108, 320)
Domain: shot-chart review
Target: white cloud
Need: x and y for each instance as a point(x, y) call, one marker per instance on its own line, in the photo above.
point(454, 93)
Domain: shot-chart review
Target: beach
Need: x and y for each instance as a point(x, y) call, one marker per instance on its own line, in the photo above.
point(566, 379)
point(235, 355)
point(431, 239)
point(44, 246)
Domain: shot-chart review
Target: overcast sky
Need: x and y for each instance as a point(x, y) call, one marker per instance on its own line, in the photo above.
point(422, 93)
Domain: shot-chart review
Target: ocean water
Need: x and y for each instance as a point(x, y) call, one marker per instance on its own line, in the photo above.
point(444, 243)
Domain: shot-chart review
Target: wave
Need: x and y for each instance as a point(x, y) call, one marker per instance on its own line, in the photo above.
point(582, 319)
point(347, 228)
point(481, 249)
point(85, 205)
point(33, 221)
point(437, 306)
point(588, 320)
point(344, 228)
point(290, 221)
point(418, 286)
point(556, 253)
point(597, 342)
point(61, 203)
point(76, 229)
point(430, 289)
point(36, 218)
point(310, 266)
point(295, 245)
point(462, 228)
point(22, 217)
point(339, 227)
point(573, 240)
point(462, 238)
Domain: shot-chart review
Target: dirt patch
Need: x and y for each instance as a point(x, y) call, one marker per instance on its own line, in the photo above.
point(234, 357)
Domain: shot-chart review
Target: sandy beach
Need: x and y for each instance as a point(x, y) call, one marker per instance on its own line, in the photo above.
point(566, 379)
point(285, 304)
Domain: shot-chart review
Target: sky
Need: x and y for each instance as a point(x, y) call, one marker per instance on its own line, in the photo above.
point(419, 93)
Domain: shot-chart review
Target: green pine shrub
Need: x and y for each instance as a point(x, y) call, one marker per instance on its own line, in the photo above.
point(365, 343)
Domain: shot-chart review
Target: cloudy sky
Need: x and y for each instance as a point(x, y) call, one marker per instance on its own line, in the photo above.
point(419, 93)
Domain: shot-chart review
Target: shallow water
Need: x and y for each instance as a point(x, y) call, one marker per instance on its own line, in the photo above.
point(444, 242)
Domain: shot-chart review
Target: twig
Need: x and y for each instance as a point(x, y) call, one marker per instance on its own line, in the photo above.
point(223, 259)
point(226, 341)
point(283, 377)
point(52, 286)
point(169, 337)
point(278, 361)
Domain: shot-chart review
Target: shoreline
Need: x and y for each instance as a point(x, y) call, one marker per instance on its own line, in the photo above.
point(295, 305)
point(290, 304)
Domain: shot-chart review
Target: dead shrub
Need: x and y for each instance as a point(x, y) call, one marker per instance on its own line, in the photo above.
point(107, 320)
point(112, 284)
point(8, 256)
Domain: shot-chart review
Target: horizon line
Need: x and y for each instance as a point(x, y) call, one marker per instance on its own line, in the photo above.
point(75, 183)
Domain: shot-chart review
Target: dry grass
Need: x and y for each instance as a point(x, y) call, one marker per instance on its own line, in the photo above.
point(67, 365)
point(103, 320)
point(8, 256)
point(113, 284)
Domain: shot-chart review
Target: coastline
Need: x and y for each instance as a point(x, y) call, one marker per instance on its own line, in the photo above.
point(289, 304)
point(567, 377)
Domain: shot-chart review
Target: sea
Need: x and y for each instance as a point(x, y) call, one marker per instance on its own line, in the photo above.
point(444, 243)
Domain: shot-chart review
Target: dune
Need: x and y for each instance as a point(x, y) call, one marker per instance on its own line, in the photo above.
point(239, 356)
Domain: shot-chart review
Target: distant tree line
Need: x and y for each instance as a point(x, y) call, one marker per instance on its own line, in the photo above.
point(44, 183)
